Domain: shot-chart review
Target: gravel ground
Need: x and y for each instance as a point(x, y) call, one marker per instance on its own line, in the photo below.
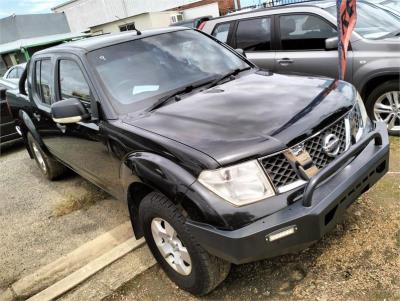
point(32, 234)
point(358, 260)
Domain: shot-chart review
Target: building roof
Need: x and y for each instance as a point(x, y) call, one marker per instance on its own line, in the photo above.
point(38, 41)
point(17, 27)
point(63, 4)
point(101, 41)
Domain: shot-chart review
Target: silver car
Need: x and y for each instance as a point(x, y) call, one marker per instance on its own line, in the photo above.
point(302, 38)
point(392, 6)
point(14, 73)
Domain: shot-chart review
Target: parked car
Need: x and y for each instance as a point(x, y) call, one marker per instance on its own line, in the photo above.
point(13, 74)
point(192, 23)
point(220, 163)
point(392, 6)
point(8, 131)
point(302, 38)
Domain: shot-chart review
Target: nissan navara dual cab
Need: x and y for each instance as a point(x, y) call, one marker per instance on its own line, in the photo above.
point(302, 39)
point(219, 161)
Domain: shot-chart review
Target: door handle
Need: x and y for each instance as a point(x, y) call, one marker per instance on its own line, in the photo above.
point(285, 61)
point(37, 116)
point(62, 127)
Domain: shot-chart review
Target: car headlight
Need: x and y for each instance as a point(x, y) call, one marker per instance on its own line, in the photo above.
point(240, 184)
point(358, 119)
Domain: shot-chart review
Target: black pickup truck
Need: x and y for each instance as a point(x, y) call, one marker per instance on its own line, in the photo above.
point(219, 162)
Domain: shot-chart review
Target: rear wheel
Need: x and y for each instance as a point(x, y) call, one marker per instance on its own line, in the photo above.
point(383, 104)
point(50, 168)
point(176, 250)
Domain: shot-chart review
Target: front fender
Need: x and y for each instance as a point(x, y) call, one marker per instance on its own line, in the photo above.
point(370, 71)
point(157, 172)
point(163, 175)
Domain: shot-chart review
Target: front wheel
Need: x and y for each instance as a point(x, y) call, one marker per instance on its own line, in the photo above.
point(383, 104)
point(184, 261)
point(50, 168)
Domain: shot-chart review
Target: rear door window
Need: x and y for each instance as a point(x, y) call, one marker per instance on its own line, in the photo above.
point(43, 75)
point(221, 32)
point(304, 32)
point(254, 34)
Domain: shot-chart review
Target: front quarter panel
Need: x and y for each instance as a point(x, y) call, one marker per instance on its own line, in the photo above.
point(157, 172)
point(163, 175)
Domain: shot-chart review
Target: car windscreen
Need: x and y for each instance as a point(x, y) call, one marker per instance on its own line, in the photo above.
point(137, 73)
point(393, 4)
point(372, 21)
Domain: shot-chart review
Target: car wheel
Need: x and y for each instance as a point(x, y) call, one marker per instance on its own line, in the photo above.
point(383, 104)
point(176, 250)
point(50, 168)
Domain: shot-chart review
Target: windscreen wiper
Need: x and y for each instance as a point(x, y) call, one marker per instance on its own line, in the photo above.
point(232, 73)
point(163, 100)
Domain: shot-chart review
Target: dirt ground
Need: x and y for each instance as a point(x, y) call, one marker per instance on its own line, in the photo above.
point(40, 220)
point(358, 260)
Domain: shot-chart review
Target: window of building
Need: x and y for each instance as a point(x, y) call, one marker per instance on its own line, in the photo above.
point(304, 32)
point(126, 27)
point(254, 34)
point(176, 18)
point(72, 82)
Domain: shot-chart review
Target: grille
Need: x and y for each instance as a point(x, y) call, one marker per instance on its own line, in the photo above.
point(314, 145)
point(282, 173)
point(279, 170)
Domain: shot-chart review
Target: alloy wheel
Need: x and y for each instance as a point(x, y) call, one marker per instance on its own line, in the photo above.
point(39, 157)
point(170, 246)
point(387, 109)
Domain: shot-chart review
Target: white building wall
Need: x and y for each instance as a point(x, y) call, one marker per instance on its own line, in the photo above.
point(82, 14)
point(200, 11)
point(142, 22)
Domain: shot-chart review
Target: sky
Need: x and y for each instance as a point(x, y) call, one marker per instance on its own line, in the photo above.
point(9, 7)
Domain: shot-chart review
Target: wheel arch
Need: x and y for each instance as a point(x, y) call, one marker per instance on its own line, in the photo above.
point(27, 126)
point(374, 81)
point(145, 172)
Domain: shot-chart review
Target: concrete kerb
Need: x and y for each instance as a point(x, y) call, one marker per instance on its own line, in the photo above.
point(64, 266)
point(72, 280)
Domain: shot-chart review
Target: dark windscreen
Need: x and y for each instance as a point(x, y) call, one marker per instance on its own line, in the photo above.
point(137, 73)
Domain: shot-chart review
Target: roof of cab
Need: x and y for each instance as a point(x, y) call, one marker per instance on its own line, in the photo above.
point(96, 42)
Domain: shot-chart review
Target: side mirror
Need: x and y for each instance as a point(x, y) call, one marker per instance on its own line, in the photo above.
point(241, 51)
point(69, 111)
point(331, 43)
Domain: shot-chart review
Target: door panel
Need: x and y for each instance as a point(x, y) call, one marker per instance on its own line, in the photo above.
point(255, 37)
point(263, 59)
point(83, 146)
point(302, 46)
point(319, 63)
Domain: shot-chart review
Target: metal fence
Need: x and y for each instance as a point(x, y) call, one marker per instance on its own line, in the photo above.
point(273, 3)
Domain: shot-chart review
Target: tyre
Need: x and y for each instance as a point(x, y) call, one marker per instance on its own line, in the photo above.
point(184, 261)
point(50, 168)
point(384, 104)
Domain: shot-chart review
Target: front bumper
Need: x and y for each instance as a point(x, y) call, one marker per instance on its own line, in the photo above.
point(325, 200)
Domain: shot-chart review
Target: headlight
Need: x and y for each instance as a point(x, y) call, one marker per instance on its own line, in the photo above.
point(359, 119)
point(240, 184)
